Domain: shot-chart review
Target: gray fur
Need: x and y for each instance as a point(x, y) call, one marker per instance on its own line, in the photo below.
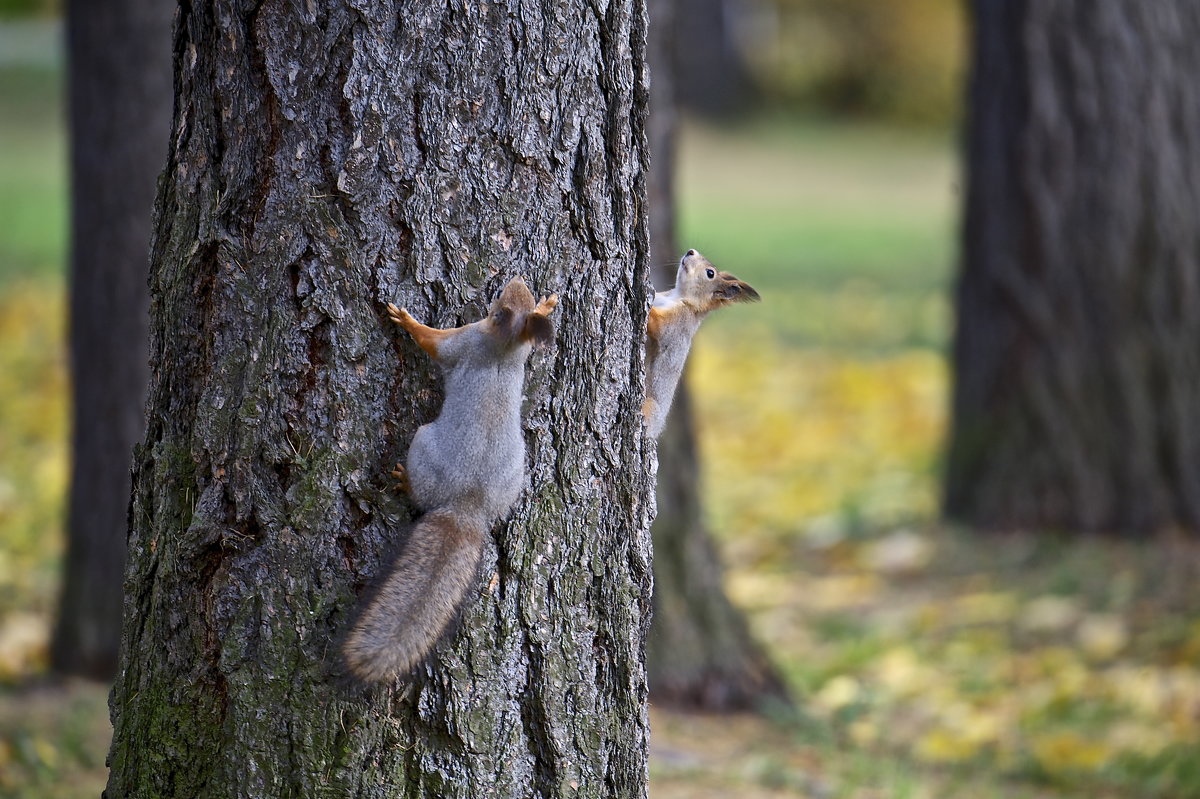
point(665, 359)
point(473, 455)
point(699, 289)
point(465, 470)
point(419, 598)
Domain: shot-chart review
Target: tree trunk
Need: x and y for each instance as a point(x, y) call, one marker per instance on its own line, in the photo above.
point(700, 652)
point(120, 112)
point(713, 77)
point(327, 158)
point(1078, 303)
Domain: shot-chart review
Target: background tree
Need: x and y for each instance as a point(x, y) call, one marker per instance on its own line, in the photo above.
point(1078, 305)
point(326, 158)
point(120, 109)
point(712, 75)
point(700, 652)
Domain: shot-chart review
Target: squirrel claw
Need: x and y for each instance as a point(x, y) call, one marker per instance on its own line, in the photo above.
point(400, 316)
point(547, 304)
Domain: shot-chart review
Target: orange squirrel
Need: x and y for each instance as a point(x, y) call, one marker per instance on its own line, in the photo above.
point(464, 470)
point(675, 316)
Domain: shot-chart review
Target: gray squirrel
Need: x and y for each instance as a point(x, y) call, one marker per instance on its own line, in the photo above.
point(675, 316)
point(464, 470)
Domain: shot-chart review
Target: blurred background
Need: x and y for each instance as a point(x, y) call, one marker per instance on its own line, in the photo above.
point(820, 159)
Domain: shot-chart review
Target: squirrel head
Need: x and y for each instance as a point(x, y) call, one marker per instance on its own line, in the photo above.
point(704, 287)
point(517, 318)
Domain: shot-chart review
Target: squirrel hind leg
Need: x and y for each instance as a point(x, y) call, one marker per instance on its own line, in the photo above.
point(401, 475)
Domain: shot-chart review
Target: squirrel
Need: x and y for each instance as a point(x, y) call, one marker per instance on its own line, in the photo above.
point(675, 316)
point(464, 471)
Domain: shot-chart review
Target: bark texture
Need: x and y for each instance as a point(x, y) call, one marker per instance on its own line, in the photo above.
point(1077, 357)
point(700, 653)
point(328, 157)
point(120, 112)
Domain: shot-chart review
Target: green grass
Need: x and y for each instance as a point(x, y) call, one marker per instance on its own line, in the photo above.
point(846, 231)
point(33, 176)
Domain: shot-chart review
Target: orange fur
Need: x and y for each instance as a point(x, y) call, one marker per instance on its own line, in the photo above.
point(655, 322)
point(427, 338)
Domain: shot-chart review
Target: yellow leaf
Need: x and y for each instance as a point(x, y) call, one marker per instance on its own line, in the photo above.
point(1102, 635)
point(985, 608)
point(901, 672)
point(1049, 614)
point(47, 752)
point(944, 746)
point(837, 693)
point(864, 732)
point(1068, 751)
point(1144, 689)
point(1145, 739)
point(23, 641)
point(898, 552)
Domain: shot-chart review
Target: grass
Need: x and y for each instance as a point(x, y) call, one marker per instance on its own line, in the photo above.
point(846, 231)
point(53, 740)
point(33, 177)
point(928, 662)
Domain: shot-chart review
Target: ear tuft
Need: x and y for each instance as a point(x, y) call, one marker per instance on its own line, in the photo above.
point(748, 293)
point(738, 291)
point(538, 329)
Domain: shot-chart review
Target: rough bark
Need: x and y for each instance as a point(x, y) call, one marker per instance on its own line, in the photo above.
point(700, 653)
point(328, 157)
point(1078, 301)
point(120, 112)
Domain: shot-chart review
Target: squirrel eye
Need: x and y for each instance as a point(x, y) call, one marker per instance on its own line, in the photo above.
point(711, 273)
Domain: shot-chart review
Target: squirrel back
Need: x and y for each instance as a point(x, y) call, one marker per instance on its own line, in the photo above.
point(464, 470)
point(675, 316)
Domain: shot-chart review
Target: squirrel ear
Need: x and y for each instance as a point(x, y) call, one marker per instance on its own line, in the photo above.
point(736, 290)
point(538, 329)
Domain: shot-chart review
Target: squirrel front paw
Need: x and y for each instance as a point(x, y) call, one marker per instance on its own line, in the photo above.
point(427, 338)
point(546, 305)
point(400, 316)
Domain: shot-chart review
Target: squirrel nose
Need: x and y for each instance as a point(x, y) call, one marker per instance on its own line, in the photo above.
point(692, 252)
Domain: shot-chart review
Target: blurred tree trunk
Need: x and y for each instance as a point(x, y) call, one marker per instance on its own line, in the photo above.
point(118, 55)
point(328, 157)
point(700, 653)
point(713, 79)
point(1077, 357)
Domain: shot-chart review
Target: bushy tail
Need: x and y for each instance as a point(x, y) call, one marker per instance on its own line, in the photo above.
point(419, 598)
